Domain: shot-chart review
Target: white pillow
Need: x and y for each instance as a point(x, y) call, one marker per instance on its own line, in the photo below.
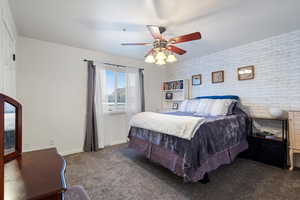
point(205, 106)
point(214, 107)
point(192, 105)
point(182, 106)
point(220, 107)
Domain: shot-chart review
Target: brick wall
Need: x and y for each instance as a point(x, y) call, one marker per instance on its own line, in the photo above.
point(277, 73)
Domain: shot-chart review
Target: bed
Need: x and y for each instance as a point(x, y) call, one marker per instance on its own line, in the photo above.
point(217, 141)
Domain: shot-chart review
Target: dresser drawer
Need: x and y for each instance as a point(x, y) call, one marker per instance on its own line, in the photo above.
point(296, 125)
point(297, 129)
point(297, 140)
point(297, 114)
point(296, 117)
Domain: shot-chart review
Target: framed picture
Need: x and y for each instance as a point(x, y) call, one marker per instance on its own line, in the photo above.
point(246, 73)
point(169, 95)
point(175, 106)
point(217, 77)
point(165, 86)
point(196, 79)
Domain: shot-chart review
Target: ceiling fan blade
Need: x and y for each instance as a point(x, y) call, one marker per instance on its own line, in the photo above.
point(185, 38)
point(149, 52)
point(176, 50)
point(140, 43)
point(156, 31)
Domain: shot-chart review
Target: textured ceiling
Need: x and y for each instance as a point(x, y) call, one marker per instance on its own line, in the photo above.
point(99, 24)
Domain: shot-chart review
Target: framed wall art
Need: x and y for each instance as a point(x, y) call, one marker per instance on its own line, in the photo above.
point(169, 96)
point(175, 106)
point(245, 73)
point(217, 77)
point(197, 79)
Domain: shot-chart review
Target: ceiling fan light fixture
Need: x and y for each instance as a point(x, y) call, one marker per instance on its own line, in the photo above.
point(150, 59)
point(171, 58)
point(160, 62)
point(162, 51)
point(160, 55)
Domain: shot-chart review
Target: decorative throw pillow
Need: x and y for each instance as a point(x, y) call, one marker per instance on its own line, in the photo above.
point(232, 107)
point(182, 106)
point(192, 106)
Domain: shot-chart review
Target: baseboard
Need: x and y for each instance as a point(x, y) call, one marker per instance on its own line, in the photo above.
point(117, 142)
point(37, 149)
point(72, 151)
point(63, 153)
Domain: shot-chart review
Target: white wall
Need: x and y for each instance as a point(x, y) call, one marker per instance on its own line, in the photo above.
point(7, 49)
point(51, 84)
point(277, 73)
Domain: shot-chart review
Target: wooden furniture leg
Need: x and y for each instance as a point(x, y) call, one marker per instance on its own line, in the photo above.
point(291, 159)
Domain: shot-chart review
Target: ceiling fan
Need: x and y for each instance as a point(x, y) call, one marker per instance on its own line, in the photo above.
point(163, 49)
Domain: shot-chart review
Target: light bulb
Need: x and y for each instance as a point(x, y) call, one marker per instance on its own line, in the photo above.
point(160, 56)
point(171, 58)
point(160, 62)
point(150, 59)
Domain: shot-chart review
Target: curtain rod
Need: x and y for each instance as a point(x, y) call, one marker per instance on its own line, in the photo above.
point(115, 65)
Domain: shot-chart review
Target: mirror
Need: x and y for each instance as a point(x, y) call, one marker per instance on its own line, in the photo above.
point(10, 133)
point(9, 128)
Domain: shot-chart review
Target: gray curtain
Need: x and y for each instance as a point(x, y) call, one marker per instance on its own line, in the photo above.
point(142, 92)
point(91, 136)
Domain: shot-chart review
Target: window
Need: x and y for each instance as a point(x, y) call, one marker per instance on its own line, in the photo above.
point(115, 91)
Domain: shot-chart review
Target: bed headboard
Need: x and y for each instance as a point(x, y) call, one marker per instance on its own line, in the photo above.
point(219, 97)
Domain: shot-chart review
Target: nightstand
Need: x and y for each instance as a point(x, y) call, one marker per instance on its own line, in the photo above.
point(272, 151)
point(294, 135)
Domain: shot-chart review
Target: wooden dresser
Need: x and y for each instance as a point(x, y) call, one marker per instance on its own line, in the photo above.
point(36, 175)
point(294, 135)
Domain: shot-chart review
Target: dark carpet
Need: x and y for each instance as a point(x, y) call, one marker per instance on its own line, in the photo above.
point(121, 173)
